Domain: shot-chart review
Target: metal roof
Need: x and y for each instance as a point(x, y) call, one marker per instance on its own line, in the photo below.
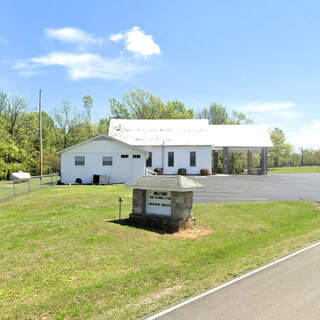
point(239, 136)
point(105, 137)
point(167, 183)
point(188, 133)
point(156, 132)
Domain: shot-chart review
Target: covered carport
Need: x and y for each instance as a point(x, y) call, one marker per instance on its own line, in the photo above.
point(247, 139)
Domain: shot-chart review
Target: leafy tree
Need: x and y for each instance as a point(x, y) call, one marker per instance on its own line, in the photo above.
point(69, 124)
point(176, 110)
point(281, 151)
point(103, 126)
point(88, 105)
point(216, 114)
point(119, 110)
point(140, 104)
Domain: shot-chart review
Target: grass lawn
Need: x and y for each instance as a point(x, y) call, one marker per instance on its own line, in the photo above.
point(304, 169)
point(61, 259)
point(6, 190)
point(6, 187)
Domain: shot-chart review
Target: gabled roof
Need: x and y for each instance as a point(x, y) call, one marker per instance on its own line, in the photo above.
point(239, 136)
point(104, 137)
point(188, 133)
point(167, 183)
point(180, 132)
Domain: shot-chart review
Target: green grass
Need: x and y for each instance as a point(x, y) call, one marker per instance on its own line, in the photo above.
point(7, 192)
point(303, 169)
point(60, 258)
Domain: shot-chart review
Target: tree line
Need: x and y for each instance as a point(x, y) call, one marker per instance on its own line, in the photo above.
point(67, 125)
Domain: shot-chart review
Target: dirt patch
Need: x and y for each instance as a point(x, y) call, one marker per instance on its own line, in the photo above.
point(316, 205)
point(193, 233)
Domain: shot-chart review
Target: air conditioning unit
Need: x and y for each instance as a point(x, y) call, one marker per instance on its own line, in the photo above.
point(104, 179)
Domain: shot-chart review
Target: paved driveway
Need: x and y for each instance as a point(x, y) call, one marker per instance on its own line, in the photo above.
point(258, 188)
point(289, 290)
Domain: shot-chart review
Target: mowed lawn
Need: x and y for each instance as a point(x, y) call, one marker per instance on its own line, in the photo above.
point(60, 258)
point(303, 169)
point(7, 190)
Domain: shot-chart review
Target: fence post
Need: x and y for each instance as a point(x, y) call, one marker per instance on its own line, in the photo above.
point(29, 185)
point(14, 189)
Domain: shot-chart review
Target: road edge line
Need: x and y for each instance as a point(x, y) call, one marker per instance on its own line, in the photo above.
point(226, 284)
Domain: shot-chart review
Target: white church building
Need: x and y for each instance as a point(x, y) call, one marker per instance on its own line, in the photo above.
point(134, 147)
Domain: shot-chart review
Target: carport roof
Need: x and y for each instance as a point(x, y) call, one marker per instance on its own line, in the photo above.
point(163, 183)
point(239, 136)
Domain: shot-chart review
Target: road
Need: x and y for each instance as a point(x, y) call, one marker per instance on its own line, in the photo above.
point(258, 188)
point(289, 290)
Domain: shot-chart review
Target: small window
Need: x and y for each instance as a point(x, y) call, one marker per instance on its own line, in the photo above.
point(149, 160)
point(170, 159)
point(79, 160)
point(137, 156)
point(192, 159)
point(107, 161)
point(124, 156)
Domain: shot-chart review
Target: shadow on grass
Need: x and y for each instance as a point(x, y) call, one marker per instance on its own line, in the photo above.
point(128, 222)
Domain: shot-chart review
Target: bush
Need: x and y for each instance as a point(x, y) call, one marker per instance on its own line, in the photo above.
point(158, 171)
point(182, 171)
point(205, 172)
point(78, 181)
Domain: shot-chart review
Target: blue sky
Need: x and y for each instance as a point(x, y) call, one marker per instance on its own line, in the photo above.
point(259, 57)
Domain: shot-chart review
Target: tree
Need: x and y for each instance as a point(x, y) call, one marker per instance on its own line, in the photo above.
point(140, 104)
point(176, 110)
point(281, 151)
point(118, 110)
point(216, 114)
point(88, 105)
point(103, 126)
point(69, 124)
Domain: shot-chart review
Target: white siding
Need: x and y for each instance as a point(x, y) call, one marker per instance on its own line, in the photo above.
point(181, 158)
point(121, 171)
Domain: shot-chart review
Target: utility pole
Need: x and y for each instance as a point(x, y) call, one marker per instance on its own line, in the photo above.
point(40, 133)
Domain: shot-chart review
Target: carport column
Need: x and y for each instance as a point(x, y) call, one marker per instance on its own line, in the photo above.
point(225, 160)
point(249, 164)
point(215, 161)
point(263, 161)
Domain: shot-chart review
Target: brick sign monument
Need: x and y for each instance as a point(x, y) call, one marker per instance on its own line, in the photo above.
point(163, 202)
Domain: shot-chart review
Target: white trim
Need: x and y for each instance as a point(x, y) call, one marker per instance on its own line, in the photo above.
point(167, 189)
point(185, 302)
point(136, 149)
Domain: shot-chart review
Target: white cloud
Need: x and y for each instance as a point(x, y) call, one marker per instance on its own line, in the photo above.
point(283, 110)
point(73, 35)
point(83, 65)
point(116, 37)
point(137, 42)
point(308, 136)
point(267, 106)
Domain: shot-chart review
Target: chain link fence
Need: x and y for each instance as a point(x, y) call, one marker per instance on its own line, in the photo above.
point(14, 188)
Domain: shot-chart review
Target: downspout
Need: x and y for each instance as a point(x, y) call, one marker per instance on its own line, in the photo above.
point(162, 165)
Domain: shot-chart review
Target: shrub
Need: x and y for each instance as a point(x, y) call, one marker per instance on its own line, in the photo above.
point(158, 171)
point(182, 171)
point(205, 172)
point(78, 181)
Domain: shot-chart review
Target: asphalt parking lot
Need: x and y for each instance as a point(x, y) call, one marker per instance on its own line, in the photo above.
point(258, 188)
